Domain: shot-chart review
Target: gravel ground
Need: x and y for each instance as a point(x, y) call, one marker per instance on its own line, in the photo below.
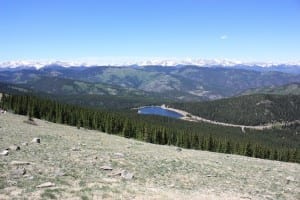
point(85, 164)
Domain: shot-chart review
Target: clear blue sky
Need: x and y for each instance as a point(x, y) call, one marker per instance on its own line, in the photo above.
point(257, 30)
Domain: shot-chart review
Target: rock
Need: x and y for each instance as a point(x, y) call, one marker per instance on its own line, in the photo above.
point(75, 149)
point(119, 155)
point(59, 173)
point(290, 179)
point(178, 149)
point(4, 153)
point(28, 177)
point(105, 167)
point(110, 180)
point(18, 172)
point(123, 173)
point(95, 157)
point(127, 175)
point(31, 122)
point(36, 140)
point(19, 163)
point(210, 175)
point(14, 148)
point(116, 173)
point(44, 185)
point(25, 144)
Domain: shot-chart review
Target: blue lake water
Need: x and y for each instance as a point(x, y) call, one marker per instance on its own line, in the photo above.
point(157, 110)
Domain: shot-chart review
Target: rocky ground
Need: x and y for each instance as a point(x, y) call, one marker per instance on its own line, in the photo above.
point(82, 164)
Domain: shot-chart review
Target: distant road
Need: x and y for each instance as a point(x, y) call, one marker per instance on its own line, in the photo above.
point(189, 117)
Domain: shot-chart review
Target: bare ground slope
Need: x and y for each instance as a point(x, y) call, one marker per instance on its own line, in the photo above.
point(72, 160)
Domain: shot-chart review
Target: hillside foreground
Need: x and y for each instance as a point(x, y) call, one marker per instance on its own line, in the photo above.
point(86, 164)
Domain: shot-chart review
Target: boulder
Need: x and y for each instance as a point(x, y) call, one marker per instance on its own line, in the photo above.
point(116, 173)
point(36, 140)
point(18, 172)
point(44, 185)
point(290, 179)
point(106, 168)
point(119, 155)
point(127, 175)
point(19, 163)
point(4, 153)
point(14, 148)
point(178, 149)
point(75, 149)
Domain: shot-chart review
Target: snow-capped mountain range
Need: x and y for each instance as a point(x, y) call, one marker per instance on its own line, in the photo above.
point(159, 62)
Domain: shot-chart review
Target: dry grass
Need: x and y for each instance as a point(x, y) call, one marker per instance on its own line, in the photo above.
point(160, 172)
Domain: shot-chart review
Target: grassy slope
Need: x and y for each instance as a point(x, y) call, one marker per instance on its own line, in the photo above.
point(160, 171)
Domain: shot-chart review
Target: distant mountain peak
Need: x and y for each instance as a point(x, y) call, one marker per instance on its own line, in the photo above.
point(150, 62)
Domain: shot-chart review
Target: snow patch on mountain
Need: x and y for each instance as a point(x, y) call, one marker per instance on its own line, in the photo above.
point(150, 62)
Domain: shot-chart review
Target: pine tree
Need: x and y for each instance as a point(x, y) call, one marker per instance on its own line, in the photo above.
point(228, 148)
point(248, 150)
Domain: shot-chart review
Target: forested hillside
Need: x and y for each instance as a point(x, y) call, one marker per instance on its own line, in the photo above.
point(189, 83)
point(122, 100)
point(278, 144)
point(289, 89)
point(247, 110)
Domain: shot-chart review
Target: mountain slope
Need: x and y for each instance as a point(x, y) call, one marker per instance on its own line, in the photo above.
point(292, 89)
point(160, 172)
point(247, 110)
point(178, 82)
point(84, 94)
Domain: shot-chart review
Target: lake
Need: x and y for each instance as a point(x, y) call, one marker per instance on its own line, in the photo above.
point(157, 110)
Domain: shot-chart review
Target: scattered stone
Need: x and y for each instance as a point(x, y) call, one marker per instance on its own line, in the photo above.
point(109, 180)
point(14, 148)
point(75, 149)
point(36, 140)
point(116, 173)
point(123, 173)
point(44, 185)
point(178, 149)
point(25, 144)
point(127, 175)
point(31, 122)
point(245, 197)
point(19, 163)
point(95, 157)
point(59, 173)
point(27, 176)
point(119, 155)
point(106, 168)
point(290, 179)
point(18, 172)
point(4, 153)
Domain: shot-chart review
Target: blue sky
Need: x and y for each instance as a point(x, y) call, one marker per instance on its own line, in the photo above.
point(249, 30)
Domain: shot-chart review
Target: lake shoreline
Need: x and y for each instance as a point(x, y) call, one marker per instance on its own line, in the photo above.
point(193, 118)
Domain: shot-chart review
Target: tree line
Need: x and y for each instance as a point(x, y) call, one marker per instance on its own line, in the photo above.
point(157, 130)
